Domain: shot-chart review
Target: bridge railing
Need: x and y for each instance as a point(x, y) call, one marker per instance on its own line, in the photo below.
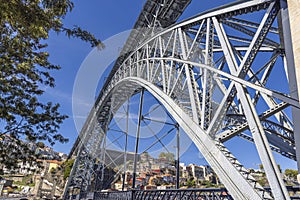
point(186, 194)
point(118, 195)
point(181, 194)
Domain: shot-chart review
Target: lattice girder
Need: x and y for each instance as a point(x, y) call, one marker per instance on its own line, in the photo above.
point(188, 64)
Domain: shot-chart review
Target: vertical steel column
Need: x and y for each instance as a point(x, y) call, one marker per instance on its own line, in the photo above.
point(80, 147)
point(207, 76)
point(103, 158)
point(177, 156)
point(81, 193)
point(137, 137)
point(104, 142)
point(191, 83)
point(289, 39)
point(126, 143)
point(276, 183)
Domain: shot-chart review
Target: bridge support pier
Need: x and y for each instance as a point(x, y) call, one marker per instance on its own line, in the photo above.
point(292, 46)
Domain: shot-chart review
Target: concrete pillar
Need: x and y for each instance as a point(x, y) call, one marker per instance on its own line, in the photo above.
point(294, 18)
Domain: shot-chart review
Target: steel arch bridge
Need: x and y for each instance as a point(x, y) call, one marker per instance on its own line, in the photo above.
point(220, 74)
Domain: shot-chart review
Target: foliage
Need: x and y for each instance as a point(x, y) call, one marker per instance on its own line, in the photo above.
point(168, 156)
point(190, 183)
point(67, 166)
point(40, 145)
point(291, 174)
point(263, 181)
point(25, 70)
point(208, 184)
point(261, 167)
point(26, 181)
point(146, 154)
point(12, 151)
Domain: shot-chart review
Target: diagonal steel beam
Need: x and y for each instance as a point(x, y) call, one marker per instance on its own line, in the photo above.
point(261, 142)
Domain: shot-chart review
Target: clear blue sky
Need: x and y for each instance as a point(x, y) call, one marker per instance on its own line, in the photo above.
point(105, 19)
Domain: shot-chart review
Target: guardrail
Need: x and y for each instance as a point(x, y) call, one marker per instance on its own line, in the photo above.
point(182, 194)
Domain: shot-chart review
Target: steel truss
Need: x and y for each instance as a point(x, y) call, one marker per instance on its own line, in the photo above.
point(213, 73)
point(119, 139)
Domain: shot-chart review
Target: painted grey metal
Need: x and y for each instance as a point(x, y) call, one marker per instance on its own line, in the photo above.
point(192, 194)
point(138, 132)
point(230, 176)
point(183, 67)
point(262, 145)
point(177, 157)
point(126, 146)
point(286, 41)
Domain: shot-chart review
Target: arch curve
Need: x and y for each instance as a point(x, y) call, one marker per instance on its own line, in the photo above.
point(228, 174)
point(165, 66)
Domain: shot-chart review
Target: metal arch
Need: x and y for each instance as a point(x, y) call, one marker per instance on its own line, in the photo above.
point(165, 65)
point(239, 187)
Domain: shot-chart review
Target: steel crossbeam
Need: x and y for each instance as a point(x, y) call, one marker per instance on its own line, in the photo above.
point(255, 126)
point(206, 75)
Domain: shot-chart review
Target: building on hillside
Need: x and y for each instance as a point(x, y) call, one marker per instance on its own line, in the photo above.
point(169, 178)
point(165, 187)
point(198, 172)
point(47, 153)
point(24, 168)
point(118, 186)
point(52, 164)
point(183, 171)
